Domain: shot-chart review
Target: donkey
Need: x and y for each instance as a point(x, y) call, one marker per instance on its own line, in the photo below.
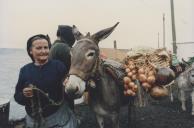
point(87, 69)
point(185, 83)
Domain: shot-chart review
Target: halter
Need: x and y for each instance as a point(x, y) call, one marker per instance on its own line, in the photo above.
point(94, 72)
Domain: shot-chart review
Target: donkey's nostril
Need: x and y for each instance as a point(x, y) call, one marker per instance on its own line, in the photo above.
point(77, 89)
point(71, 92)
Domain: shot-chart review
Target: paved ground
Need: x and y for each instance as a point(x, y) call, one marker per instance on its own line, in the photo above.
point(163, 114)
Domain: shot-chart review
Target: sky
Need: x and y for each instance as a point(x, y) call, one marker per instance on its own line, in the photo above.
point(140, 20)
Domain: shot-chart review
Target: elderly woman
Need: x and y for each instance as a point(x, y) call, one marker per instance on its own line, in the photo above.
point(40, 90)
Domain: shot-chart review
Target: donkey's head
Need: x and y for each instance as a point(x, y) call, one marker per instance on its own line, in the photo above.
point(84, 59)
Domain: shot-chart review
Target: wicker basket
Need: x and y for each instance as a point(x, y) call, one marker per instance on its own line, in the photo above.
point(150, 60)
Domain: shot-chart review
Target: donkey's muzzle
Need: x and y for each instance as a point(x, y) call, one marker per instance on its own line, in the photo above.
point(75, 86)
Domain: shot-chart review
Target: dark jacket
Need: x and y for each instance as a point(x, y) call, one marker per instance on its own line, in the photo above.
point(61, 51)
point(48, 78)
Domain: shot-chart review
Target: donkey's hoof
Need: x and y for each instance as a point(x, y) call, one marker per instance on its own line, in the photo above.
point(183, 108)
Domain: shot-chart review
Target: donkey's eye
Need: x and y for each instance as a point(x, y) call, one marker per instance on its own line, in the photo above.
point(91, 54)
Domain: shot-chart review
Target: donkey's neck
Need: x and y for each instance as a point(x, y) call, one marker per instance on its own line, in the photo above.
point(106, 92)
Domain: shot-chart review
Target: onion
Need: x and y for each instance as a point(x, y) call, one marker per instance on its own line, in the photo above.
point(131, 67)
point(134, 77)
point(127, 70)
point(158, 92)
point(146, 85)
point(141, 71)
point(130, 92)
point(134, 88)
point(142, 78)
point(131, 84)
point(134, 71)
point(129, 74)
point(130, 62)
point(150, 73)
point(126, 80)
point(126, 86)
point(151, 79)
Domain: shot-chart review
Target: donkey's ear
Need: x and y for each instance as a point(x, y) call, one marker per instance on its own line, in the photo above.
point(78, 35)
point(103, 33)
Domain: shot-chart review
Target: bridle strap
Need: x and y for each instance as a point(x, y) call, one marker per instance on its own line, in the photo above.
point(95, 68)
point(84, 76)
point(87, 76)
point(78, 73)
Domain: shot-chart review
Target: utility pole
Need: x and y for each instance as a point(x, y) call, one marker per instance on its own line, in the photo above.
point(115, 48)
point(173, 28)
point(158, 40)
point(164, 33)
point(115, 44)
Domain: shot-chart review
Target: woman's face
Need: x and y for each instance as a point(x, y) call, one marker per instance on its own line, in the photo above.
point(40, 51)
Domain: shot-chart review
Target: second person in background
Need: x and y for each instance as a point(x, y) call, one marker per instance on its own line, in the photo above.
point(60, 49)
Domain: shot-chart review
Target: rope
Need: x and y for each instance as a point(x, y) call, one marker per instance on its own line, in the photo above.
point(170, 84)
point(37, 110)
point(51, 101)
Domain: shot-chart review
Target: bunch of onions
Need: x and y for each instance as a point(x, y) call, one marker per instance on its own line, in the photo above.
point(142, 67)
point(158, 92)
point(147, 77)
point(130, 88)
point(148, 81)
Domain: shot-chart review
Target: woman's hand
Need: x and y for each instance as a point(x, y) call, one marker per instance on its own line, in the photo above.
point(28, 92)
point(65, 82)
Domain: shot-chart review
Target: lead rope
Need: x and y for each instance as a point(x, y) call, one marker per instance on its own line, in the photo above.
point(37, 110)
point(51, 101)
point(40, 118)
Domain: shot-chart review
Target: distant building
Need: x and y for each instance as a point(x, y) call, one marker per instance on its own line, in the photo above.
point(115, 54)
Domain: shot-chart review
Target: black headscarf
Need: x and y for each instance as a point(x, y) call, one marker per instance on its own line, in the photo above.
point(66, 34)
point(36, 37)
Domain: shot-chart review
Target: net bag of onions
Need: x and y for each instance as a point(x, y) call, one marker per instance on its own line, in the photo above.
point(143, 66)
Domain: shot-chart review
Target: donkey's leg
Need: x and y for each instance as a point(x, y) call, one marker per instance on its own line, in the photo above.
point(100, 120)
point(182, 98)
point(171, 95)
point(115, 120)
point(192, 98)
